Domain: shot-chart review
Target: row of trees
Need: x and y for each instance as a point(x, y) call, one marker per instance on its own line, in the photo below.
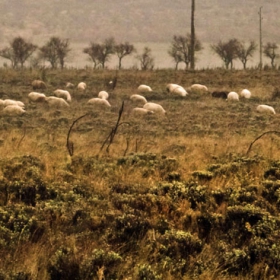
point(56, 50)
point(234, 49)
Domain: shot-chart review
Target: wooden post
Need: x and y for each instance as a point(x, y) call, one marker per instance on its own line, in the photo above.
point(192, 37)
point(260, 14)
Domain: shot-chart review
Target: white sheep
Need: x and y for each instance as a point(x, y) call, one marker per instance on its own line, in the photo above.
point(171, 87)
point(99, 102)
point(156, 108)
point(63, 94)
point(265, 109)
point(8, 102)
point(141, 111)
point(144, 88)
point(13, 110)
point(103, 94)
point(81, 86)
point(36, 96)
point(245, 93)
point(176, 89)
point(180, 91)
point(198, 89)
point(233, 96)
point(56, 102)
point(138, 98)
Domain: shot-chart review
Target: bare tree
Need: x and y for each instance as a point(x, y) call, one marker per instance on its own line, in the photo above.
point(269, 51)
point(62, 50)
point(227, 51)
point(8, 53)
point(146, 59)
point(18, 52)
point(93, 51)
point(176, 55)
point(55, 51)
point(100, 53)
point(122, 50)
point(106, 50)
point(244, 53)
point(180, 49)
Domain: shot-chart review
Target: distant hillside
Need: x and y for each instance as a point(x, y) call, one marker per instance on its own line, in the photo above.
point(137, 21)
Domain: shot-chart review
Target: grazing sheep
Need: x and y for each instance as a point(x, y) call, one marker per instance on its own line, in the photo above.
point(138, 98)
point(144, 88)
point(245, 93)
point(156, 108)
point(69, 85)
point(141, 111)
point(56, 102)
point(171, 87)
point(180, 91)
point(103, 94)
point(81, 86)
point(233, 96)
point(220, 94)
point(8, 102)
point(38, 84)
point(265, 109)
point(99, 102)
point(13, 110)
point(63, 94)
point(36, 96)
point(176, 89)
point(198, 89)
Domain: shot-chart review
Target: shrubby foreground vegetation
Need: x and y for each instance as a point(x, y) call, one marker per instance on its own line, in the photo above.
point(175, 197)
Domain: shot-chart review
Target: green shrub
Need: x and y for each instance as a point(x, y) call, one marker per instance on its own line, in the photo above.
point(63, 265)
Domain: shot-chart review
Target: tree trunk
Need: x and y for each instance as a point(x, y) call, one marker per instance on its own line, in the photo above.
point(120, 63)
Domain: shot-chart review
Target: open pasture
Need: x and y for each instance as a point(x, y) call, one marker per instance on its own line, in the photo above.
point(200, 123)
point(175, 196)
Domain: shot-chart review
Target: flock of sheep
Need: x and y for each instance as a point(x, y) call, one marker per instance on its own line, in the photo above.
point(195, 89)
point(62, 98)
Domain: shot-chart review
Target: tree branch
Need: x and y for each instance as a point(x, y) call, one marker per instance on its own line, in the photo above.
point(260, 136)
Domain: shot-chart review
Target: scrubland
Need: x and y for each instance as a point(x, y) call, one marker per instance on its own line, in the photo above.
point(188, 195)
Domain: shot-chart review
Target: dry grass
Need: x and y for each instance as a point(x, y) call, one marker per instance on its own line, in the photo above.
point(97, 191)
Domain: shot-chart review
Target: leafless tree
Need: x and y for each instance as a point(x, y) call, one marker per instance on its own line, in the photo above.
point(55, 51)
point(122, 50)
point(227, 51)
point(270, 52)
point(100, 53)
point(106, 50)
point(93, 52)
point(176, 55)
point(146, 59)
point(62, 51)
point(180, 49)
point(244, 53)
point(18, 51)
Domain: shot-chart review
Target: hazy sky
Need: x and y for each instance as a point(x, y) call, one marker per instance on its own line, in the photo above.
point(137, 20)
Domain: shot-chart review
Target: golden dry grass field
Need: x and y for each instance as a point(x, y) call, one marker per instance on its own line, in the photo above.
point(175, 196)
